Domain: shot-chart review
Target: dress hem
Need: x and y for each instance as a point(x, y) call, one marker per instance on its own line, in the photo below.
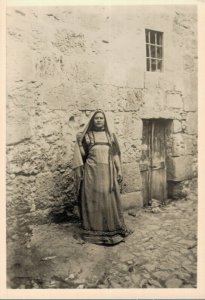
point(104, 233)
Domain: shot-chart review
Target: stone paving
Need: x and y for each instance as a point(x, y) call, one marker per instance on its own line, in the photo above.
point(161, 253)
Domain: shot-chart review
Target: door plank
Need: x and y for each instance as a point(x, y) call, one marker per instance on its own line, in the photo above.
point(144, 166)
point(158, 166)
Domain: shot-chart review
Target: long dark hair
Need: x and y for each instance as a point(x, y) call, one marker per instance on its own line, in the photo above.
point(91, 126)
point(111, 137)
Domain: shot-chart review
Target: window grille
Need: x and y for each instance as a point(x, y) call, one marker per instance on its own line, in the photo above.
point(154, 50)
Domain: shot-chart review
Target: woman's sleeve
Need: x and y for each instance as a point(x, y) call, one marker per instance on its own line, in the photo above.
point(85, 146)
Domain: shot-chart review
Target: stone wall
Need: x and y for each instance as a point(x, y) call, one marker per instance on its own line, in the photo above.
point(62, 64)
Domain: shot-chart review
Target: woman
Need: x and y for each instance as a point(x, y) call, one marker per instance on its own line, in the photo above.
point(97, 164)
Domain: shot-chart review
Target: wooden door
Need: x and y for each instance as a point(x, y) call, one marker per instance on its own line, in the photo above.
point(153, 161)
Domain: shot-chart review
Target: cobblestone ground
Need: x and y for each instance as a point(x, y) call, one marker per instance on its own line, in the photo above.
point(161, 253)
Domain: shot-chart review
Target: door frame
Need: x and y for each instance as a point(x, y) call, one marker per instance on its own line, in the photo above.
point(148, 168)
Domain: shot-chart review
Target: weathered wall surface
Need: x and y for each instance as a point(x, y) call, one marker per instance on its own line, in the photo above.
point(62, 64)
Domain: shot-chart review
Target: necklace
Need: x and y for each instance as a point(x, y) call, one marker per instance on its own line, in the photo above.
point(99, 129)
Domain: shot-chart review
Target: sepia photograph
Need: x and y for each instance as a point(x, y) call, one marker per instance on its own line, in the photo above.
point(102, 147)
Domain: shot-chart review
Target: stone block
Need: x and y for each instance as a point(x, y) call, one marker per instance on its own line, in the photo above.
point(17, 114)
point(174, 283)
point(18, 125)
point(191, 123)
point(87, 97)
point(166, 81)
point(190, 88)
point(174, 100)
point(130, 151)
point(131, 146)
point(166, 113)
point(132, 200)
point(68, 41)
point(179, 168)
point(123, 99)
point(133, 125)
point(26, 159)
point(188, 63)
point(178, 190)
point(109, 98)
point(177, 126)
point(24, 93)
point(20, 62)
point(178, 146)
point(132, 181)
point(16, 133)
point(45, 188)
point(120, 74)
point(175, 190)
point(86, 68)
point(133, 99)
point(20, 196)
point(135, 76)
point(190, 103)
point(152, 79)
point(177, 80)
point(52, 189)
point(190, 142)
point(154, 99)
point(61, 96)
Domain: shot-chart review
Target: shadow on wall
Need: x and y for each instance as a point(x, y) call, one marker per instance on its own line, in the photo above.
point(67, 211)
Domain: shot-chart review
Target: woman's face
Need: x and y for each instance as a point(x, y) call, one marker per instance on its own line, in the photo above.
point(99, 120)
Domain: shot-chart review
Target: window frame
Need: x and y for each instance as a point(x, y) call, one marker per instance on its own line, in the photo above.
point(151, 46)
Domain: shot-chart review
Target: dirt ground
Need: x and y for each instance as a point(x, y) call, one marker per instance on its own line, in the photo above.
point(161, 253)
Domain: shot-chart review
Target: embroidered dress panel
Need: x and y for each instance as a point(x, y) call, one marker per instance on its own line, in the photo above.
point(98, 154)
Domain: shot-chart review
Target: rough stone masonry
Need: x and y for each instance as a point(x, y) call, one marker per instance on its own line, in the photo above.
point(65, 62)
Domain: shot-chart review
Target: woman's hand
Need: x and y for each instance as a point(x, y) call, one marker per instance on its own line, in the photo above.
point(119, 176)
point(79, 173)
point(78, 137)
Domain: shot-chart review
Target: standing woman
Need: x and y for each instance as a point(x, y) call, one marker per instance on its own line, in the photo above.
point(97, 165)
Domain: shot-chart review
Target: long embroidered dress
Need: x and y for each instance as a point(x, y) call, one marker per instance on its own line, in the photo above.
point(100, 205)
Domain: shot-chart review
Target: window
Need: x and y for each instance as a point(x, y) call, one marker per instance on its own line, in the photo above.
point(154, 50)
